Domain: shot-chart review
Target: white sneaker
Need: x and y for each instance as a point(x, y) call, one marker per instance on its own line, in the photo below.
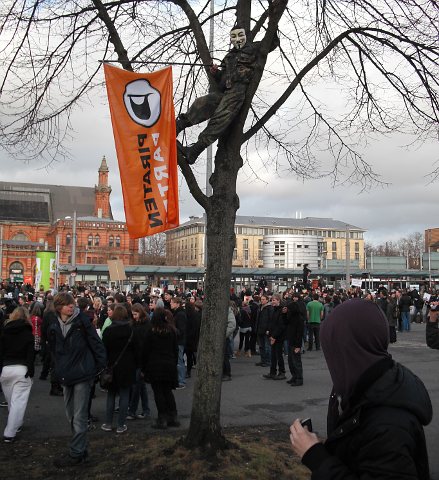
point(122, 429)
point(106, 428)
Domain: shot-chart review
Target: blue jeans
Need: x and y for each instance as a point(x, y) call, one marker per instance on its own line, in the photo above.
point(138, 392)
point(264, 348)
point(124, 395)
point(76, 404)
point(181, 366)
point(405, 316)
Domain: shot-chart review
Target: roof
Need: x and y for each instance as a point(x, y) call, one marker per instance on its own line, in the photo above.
point(307, 222)
point(31, 202)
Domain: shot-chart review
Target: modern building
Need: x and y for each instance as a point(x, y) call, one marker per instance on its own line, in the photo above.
point(271, 242)
point(35, 217)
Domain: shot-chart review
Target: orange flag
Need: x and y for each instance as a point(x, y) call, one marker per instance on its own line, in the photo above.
point(142, 114)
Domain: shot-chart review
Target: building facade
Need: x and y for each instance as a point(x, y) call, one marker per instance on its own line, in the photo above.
point(41, 218)
point(185, 245)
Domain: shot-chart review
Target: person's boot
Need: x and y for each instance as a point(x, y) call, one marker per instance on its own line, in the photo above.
point(161, 422)
point(172, 420)
point(182, 122)
point(193, 152)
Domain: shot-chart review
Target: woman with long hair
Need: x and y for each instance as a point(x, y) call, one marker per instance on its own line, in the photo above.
point(121, 348)
point(160, 357)
point(141, 325)
point(16, 368)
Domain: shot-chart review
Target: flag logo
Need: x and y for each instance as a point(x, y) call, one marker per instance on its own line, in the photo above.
point(142, 102)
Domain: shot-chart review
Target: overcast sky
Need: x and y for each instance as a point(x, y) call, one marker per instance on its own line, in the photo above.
point(407, 205)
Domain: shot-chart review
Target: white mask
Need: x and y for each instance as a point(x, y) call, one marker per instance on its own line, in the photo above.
point(238, 38)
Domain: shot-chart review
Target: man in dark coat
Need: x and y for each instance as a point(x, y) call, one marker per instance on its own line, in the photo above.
point(262, 331)
point(180, 325)
point(377, 407)
point(79, 356)
point(295, 323)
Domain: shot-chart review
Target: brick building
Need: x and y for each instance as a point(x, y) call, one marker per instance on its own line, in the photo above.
point(431, 237)
point(34, 216)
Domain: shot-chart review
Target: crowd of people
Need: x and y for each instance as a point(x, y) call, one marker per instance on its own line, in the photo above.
point(147, 337)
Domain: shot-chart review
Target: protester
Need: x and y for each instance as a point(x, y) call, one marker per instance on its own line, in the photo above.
point(123, 356)
point(160, 358)
point(16, 368)
point(141, 325)
point(377, 407)
point(79, 356)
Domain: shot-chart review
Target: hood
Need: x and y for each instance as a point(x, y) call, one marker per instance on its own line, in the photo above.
point(354, 337)
point(15, 327)
point(401, 388)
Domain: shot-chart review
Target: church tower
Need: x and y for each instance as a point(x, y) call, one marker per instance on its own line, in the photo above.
point(102, 192)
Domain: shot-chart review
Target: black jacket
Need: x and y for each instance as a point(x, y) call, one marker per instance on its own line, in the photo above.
point(432, 334)
point(193, 324)
point(277, 325)
point(160, 355)
point(180, 325)
point(115, 338)
point(17, 345)
point(380, 435)
point(264, 318)
point(295, 323)
point(80, 355)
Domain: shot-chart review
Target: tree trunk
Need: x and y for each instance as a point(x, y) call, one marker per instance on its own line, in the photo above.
point(205, 428)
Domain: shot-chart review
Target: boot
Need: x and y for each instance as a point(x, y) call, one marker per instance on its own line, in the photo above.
point(182, 122)
point(172, 420)
point(193, 152)
point(248, 354)
point(161, 422)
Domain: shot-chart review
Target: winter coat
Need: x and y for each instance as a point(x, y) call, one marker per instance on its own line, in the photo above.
point(160, 356)
point(193, 323)
point(180, 324)
point(80, 355)
point(115, 338)
point(432, 334)
point(405, 302)
point(295, 325)
point(17, 345)
point(245, 320)
point(231, 323)
point(264, 318)
point(277, 325)
point(380, 434)
point(391, 312)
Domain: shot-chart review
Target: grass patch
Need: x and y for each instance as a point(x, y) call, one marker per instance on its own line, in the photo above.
point(255, 453)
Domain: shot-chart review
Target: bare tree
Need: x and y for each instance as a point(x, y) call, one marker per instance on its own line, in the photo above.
point(380, 58)
point(153, 249)
point(410, 247)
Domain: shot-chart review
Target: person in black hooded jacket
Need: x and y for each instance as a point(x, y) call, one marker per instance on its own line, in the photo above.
point(16, 368)
point(377, 407)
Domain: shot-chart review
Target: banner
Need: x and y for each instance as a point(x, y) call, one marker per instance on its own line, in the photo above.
point(143, 118)
point(45, 270)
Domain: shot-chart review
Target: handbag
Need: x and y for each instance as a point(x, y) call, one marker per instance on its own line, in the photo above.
point(106, 376)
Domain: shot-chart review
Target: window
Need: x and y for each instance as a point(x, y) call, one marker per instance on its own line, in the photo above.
point(235, 254)
point(357, 246)
point(260, 249)
point(90, 240)
point(299, 246)
point(306, 246)
point(334, 255)
point(245, 243)
point(299, 264)
point(97, 239)
point(68, 239)
point(111, 241)
point(278, 263)
point(118, 241)
point(357, 256)
point(246, 255)
point(334, 245)
point(279, 249)
point(20, 237)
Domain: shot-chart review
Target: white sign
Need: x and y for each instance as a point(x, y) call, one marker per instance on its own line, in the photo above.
point(356, 282)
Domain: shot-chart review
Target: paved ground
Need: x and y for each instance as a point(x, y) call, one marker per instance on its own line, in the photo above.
point(251, 400)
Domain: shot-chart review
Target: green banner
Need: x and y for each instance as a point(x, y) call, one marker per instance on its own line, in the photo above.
point(45, 270)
